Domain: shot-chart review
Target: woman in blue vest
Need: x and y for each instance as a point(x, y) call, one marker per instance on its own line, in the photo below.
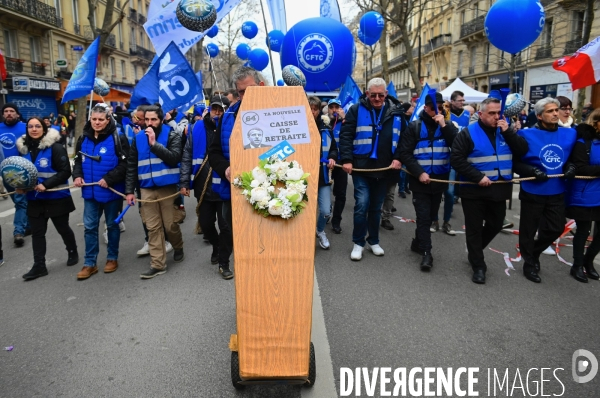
point(43, 149)
point(328, 156)
point(101, 158)
point(583, 197)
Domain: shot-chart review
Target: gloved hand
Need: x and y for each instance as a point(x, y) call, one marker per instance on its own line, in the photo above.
point(570, 171)
point(540, 175)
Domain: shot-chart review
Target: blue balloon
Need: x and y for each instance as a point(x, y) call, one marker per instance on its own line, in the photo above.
point(258, 59)
point(280, 82)
point(369, 41)
point(212, 49)
point(372, 24)
point(322, 48)
point(212, 32)
point(526, 16)
point(242, 51)
point(276, 39)
point(249, 30)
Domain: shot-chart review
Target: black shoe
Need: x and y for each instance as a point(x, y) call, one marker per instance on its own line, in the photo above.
point(537, 266)
point(27, 231)
point(531, 274)
point(19, 241)
point(35, 272)
point(479, 276)
point(578, 274)
point(225, 272)
point(178, 255)
point(152, 272)
point(402, 195)
point(427, 262)
point(407, 191)
point(387, 224)
point(73, 258)
point(337, 229)
point(456, 200)
point(507, 224)
point(394, 209)
point(414, 246)
point(214, 257)
point(591, 271)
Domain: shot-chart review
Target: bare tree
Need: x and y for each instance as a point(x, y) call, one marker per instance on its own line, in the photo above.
point(585, 38)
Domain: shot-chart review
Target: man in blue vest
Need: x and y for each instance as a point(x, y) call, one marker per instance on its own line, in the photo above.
point(425, 151)
point(543, 200)
point(154, 162)
point(218, 150)
point(369, 139)
point(339, 176)
point(10, 129)
point(482, 153)
point(194, 167)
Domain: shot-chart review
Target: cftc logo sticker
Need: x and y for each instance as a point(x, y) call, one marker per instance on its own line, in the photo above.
point(315, 52)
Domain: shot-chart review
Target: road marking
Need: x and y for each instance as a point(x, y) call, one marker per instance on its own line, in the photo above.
point(325, 383)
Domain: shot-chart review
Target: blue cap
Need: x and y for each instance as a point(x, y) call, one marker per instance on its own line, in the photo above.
point(334, 101)
point(495, 94)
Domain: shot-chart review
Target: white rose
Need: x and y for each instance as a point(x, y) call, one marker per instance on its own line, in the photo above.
point(259, 193)
point(259, 175)
point(294, 174)
point(275, 207)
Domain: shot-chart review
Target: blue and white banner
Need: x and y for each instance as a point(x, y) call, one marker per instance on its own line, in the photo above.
point(391, 89)
point(420, 103)
point(277, 11)
point(331, 9)
point(171, 82)
point(82, 80)
point(163, 27)
point(349, 94)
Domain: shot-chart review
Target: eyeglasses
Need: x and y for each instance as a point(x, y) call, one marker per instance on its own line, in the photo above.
point(377, 95)
point(34, 126)
point(565, 109)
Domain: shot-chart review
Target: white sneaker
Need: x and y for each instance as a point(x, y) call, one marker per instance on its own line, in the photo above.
point(105, 234)
point(168, 247)
point(144, 251)
point(356, 252)
point(549, 251)
point(376, 249)
point(122, 226)
point(323, 241)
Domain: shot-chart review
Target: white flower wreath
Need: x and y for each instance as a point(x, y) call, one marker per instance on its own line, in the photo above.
point(258, 186)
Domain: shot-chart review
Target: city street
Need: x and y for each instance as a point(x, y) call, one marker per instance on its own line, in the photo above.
point(115, 335)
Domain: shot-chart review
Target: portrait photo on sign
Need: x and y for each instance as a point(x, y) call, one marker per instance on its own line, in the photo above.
point(263, 128)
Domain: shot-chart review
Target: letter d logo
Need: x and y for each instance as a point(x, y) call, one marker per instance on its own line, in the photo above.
point(581, 365)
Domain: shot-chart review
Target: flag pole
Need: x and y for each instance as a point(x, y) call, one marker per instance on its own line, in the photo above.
point(91, 99)
point(268, 42)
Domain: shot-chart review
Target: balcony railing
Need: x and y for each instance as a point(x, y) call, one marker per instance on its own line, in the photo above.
point(111, 40)
point(32, 8)
point(14, 65)
point(377, 69)
point(395, 36)
point(473, 26)
point(471, 70)
point(441, 40)
point(64, 74)
point(133, 15)
point(458, 72)
point(572, 46)
point(398, 60)
point(141, 52)
point(77, 29)
point(141, 19)
point(38, 69)
point(59, 22)
point(543, 52)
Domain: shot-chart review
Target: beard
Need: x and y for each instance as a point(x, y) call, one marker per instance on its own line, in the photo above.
point(11, 122)
point(157, 130)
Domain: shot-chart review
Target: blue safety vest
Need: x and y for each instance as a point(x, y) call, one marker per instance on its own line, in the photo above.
point(432, 154)
point(152, 171)
point(365, 129)
point(9, 136)
point(461, 121)
point(199, 148)
point(586, 193)
point(326, 139)
point(492, 163)
point(336, 135)
point(43, 163)
point(548, 151)
point(93, 171)
point(221, 185)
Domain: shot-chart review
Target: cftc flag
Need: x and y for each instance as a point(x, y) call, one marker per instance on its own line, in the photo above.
point(277, 11)
point(82, 80)
point(420, 103)
point(391, 89)
point(350, 93)
point(331, 9)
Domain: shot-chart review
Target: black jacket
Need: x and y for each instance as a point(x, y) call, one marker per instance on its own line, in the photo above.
point(217, 160)
point(384, 149)
point(171, 155)
point(462, 148)
point(580, 157)
point(333, 151)
point(410, 138)
point(186, 164)
point(117, 174)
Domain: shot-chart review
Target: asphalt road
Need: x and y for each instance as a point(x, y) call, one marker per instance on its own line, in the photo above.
point(116, 335)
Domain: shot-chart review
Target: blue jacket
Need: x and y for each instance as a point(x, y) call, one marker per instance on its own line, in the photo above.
point(221, 185)
point(9, 136)
point(586, 193)
point(94, 171)
point(152, 170)
point(461, 120)
point(492, 163)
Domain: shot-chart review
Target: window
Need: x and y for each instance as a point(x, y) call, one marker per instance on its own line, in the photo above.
point(431, 34)
point(132, 37)
point(123, 70)
point(476, 10)
point(120, 30)
point(473, 56)
point(36, 49)
point(58, 8)
point(10, 43)
point(113, 69)
point(487, 53)
point(460, 60)
point(75, 6)
point(62, 50)
point(462, 17)
point(441, 28)
point(547, 33)
point(135, 73)
point(449, 25)
point(142, 38)
point(577, 30)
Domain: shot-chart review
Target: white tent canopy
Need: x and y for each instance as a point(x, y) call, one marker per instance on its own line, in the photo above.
point(471, 95)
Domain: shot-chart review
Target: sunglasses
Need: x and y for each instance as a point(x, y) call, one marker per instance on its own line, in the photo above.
point(376, 95)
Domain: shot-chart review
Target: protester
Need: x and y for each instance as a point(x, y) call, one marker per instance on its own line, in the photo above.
point(482, 153)
point(369, 140)
point(583, 198)
point(403, 188)
point(340, 177)
point(154, 163)
point(586, 111)
point(101, 158)
point(232, 96)
point(425, 151)
point(542, 200)
point(565, 112)
point(42, 148)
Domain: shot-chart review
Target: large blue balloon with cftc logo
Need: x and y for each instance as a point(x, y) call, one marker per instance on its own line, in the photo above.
point(323, 49)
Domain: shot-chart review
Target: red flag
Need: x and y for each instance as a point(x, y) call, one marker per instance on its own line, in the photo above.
point(583, 67)
point(3, 73)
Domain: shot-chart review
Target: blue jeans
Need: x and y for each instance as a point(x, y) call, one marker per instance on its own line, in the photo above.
point(448, 198)
point(92, 211)
point(324, 199)
point(369, 194)
point(402, 182)
point(21, 221)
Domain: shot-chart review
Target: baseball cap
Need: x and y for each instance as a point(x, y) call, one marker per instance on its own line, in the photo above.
point(334, 101)
point(220, 100)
